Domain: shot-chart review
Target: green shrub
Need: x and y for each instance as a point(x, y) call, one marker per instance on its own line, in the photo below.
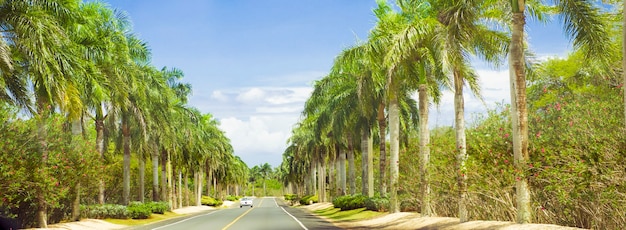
point(232, 198)
point(349, 202)
point(112, 211)
point(377, 203)
point(210, 201)
point(138, 210)
point(308, 199)
point(159, 207)
point(291, 197)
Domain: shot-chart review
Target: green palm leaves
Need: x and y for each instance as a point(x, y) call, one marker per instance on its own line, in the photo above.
point(82, 60)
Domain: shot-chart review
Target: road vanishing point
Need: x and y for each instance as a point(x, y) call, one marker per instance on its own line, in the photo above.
point(266, 214)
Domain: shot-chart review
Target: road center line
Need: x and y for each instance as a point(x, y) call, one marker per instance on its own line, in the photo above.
point(301, 225)
point(239, 217)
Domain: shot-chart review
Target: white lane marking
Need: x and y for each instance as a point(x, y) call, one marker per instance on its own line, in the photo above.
point(276, 203)
point(301, 225)
point(185, 220)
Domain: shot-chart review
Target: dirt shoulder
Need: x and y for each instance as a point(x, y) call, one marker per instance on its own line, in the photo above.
point(410, 220)
point(90, 224)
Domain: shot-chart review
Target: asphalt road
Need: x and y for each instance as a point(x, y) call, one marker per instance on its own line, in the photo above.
point(267, 213)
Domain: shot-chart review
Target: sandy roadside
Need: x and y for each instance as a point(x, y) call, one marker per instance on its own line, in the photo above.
point(94, 224)
point(409, 220)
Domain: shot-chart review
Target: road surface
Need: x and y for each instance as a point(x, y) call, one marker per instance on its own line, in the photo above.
point(267, 213)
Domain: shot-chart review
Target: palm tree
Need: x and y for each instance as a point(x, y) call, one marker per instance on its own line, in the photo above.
point(461, 34)
point(584, 22)
point(37, 37)
point(265, 171)
point(359, 64)
point(129, 104)
point(106, 52)
point(397, 84)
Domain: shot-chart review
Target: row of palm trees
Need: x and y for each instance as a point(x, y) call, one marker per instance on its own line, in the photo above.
point(82, 60)
point(425, 46)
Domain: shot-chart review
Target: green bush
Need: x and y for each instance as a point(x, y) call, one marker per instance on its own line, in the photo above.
point(350, 202)
point(112, 211)
point(377, 203)
point(308, 199)
point(159, 207)
point(138, 210)
point(210, 201)
point(232, 198)
point(291, 197)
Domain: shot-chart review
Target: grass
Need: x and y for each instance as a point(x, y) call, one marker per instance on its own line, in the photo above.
point(349, 215)
point(153, 218)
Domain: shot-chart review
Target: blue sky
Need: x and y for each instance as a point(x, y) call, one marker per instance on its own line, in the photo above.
point(252, 63)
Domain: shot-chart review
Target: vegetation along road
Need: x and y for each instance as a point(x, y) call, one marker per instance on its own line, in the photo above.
point(266, 213)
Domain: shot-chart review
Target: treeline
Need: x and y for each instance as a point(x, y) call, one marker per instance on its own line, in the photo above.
point(85, 113)
point(552, 156)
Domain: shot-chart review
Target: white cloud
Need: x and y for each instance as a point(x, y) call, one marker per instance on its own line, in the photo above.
point(219, 95)
point(251, 95)
point(257, 120)
point(280, 110)
point(288, 95)
point(259, 139)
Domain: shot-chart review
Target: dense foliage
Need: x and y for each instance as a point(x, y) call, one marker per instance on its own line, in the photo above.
point(553, 156)
point(24, 172)
point(577, 154)
point(85, 116)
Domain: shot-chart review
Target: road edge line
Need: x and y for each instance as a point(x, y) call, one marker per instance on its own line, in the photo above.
point(178, 222)
point(294, 218)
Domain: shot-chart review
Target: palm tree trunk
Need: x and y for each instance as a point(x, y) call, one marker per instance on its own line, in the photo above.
point(424, 149)
point(394, 144)
point(318, 170)
point(313, 177)
point(382, 129)
point(126, 164)
point(100, 147)
point(214, 187)
point(187, 200)
point(461, 157)
point(76, 203)
point(170, 185)
point(164, 177)
point(155, 173)
point(322, 180)
point(342, 172)
point(142, 179)
point(370, 164)
point(209, 180)
point(180, 188)
point(42, 133)
point(76, 133)
point(351, 169)
point(519, 113)
point(337, 173)
point(198, 183)
point(332, 179)
point(365, 182)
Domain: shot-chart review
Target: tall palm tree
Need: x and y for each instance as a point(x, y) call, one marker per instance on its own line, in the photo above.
point(128, 103)
point(584, 22)
point(398, 82)
point(43, 55)
point(461, 33)
point(358, 63)
point(103, 34)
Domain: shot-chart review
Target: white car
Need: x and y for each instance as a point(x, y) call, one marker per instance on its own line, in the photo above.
point(246, 201)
